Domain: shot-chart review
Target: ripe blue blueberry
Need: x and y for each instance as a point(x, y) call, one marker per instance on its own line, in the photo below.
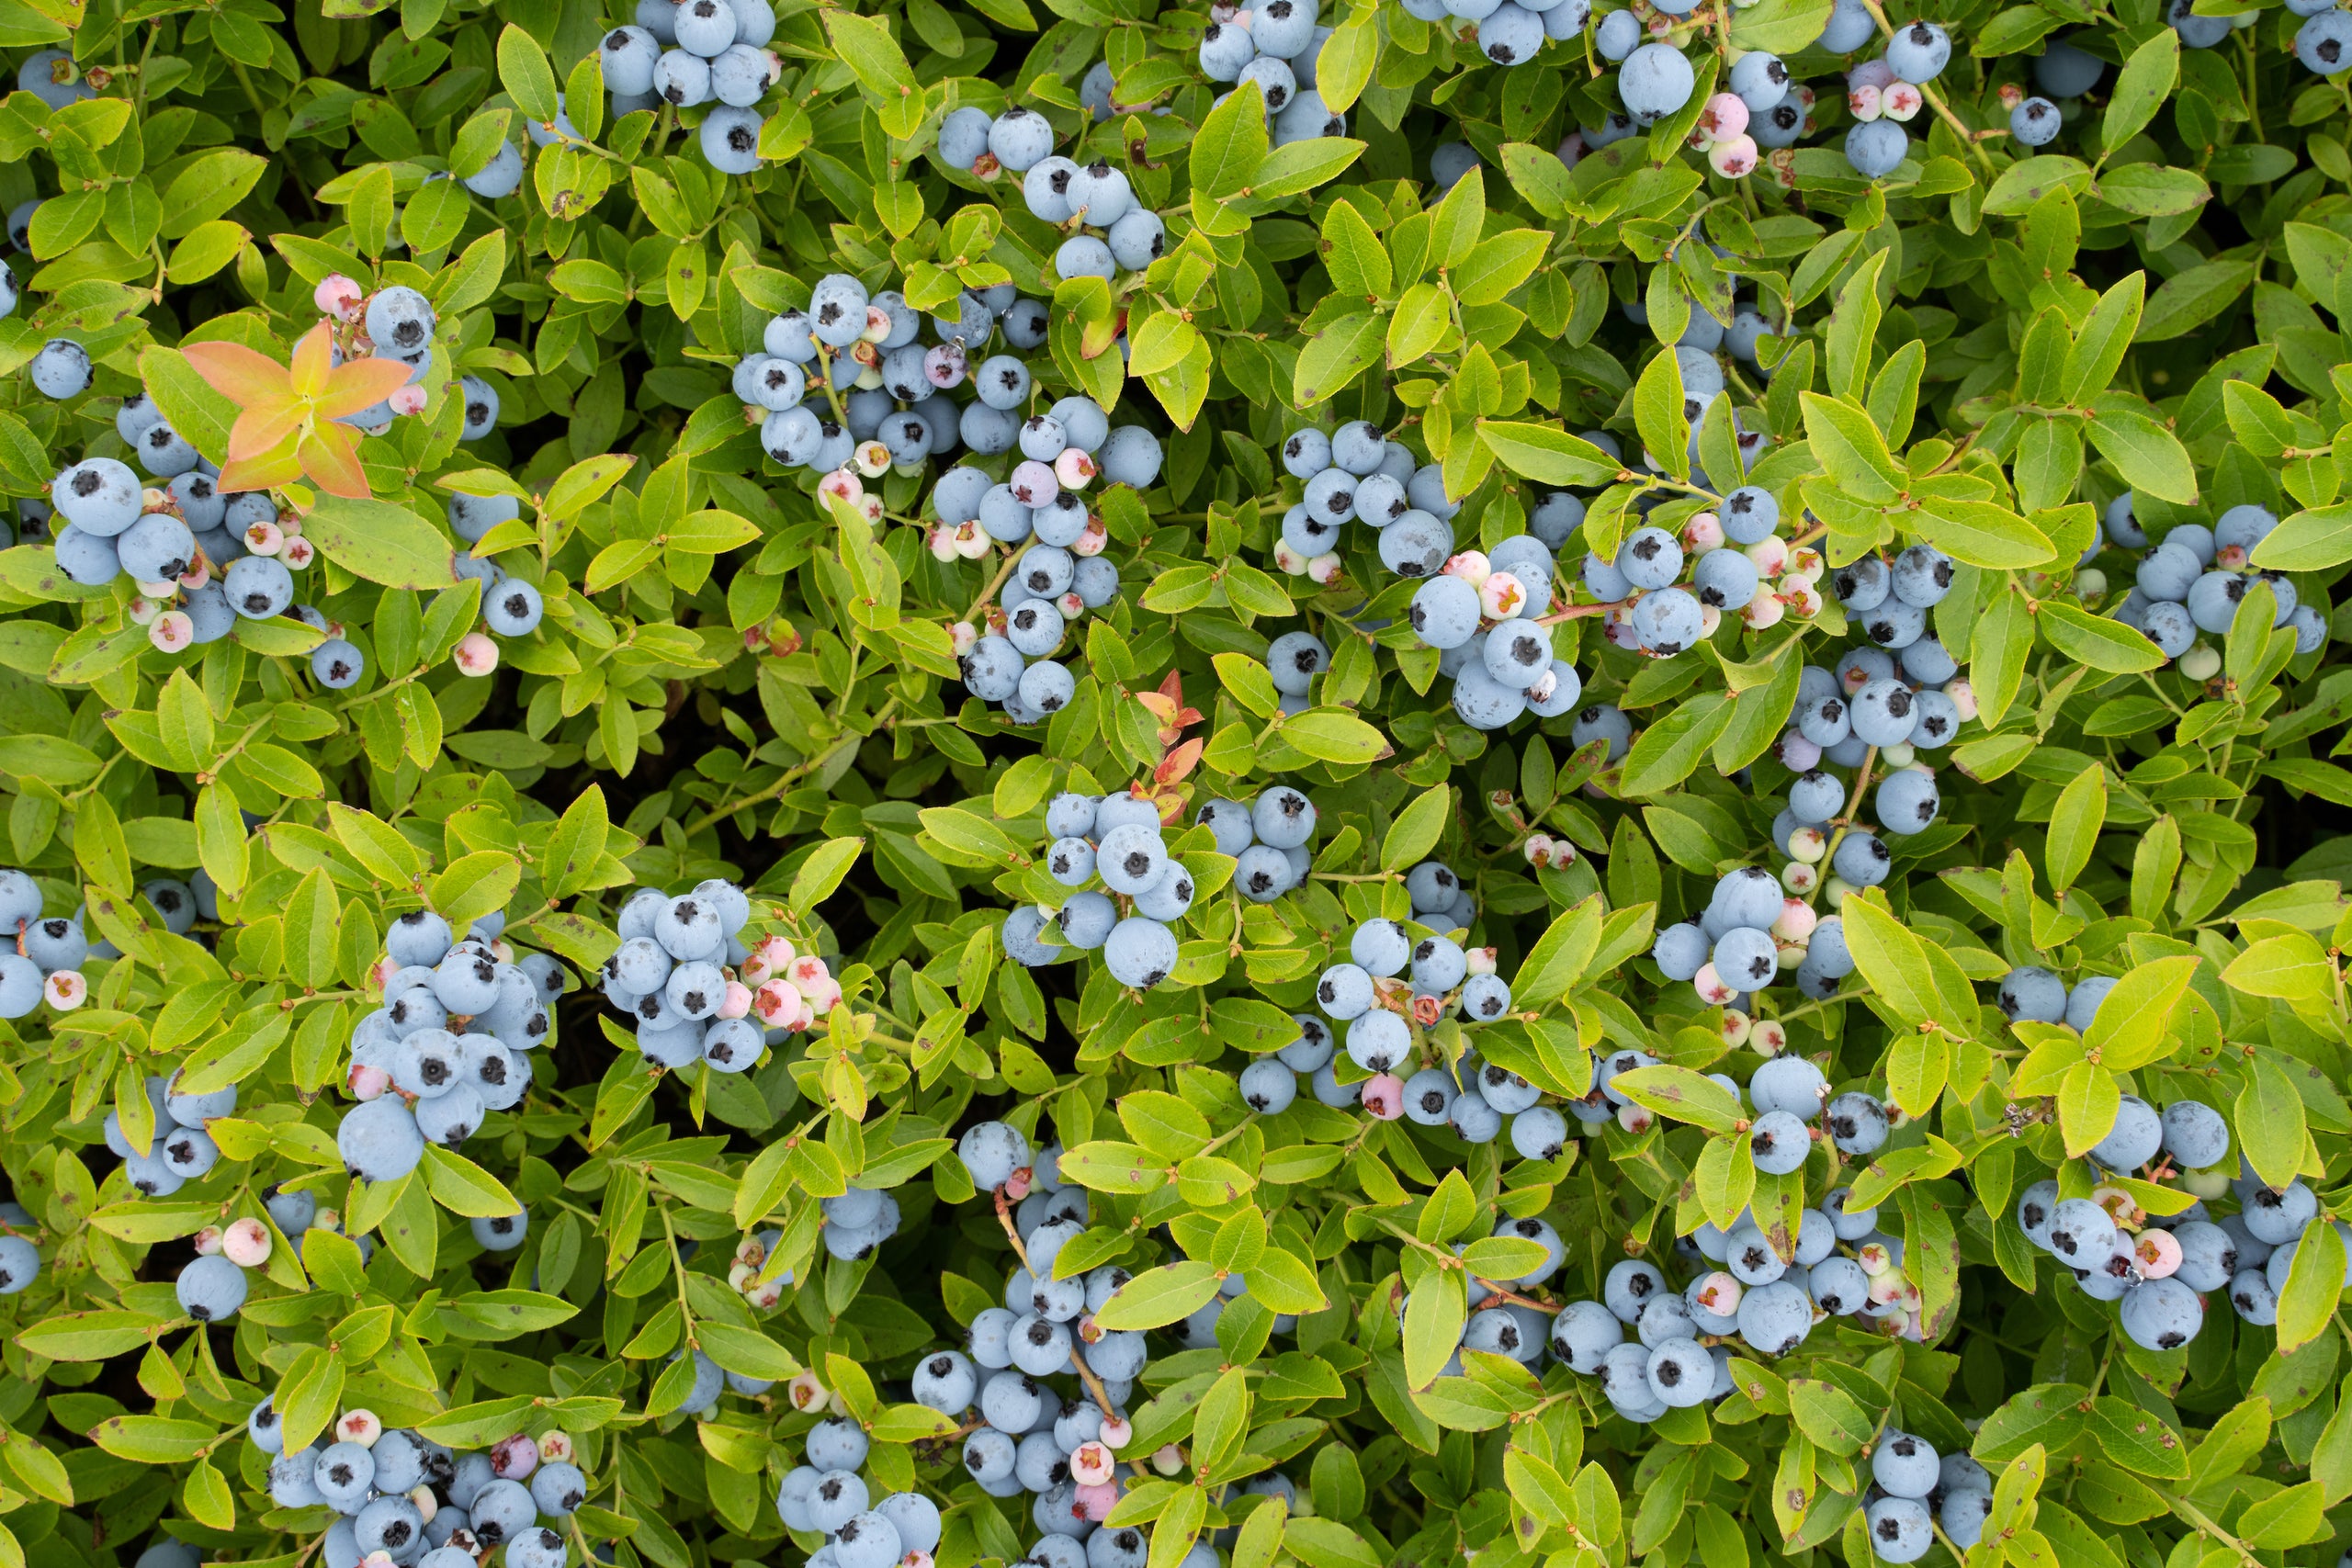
point(1922, 576)
point(1907, 802)
point(2195, 1134)
point(1444, 612)
point(1918, 53)
point(1650, 557)
point(1655, 81)
point(1140, 952)
point(61, 369)
point(1669, 620)
point(1900, 1528)
point(210, 1289)
point(1283, 817)
point(1725, 580)
point(1378, 1040)
point(2035, 123)
point(1416, 544)
point(1875, 148)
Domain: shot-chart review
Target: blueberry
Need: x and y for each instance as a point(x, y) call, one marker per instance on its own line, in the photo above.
point(1378, 1042)
point(1922, 574)
point(2064, 72)
point(379, 1140)
point(1775, 1317)
point(1904, 1466)
point(1283, 817)
point(2135, 1138)
point(2035, 123)
point(1268, 1086)
point(1901, 1529)
point(1485, 998)
point(1669, 620)
point(1618, 34)
point(1857, 1123)
point(1416, 544)
point(1140, 952)
point(61, 368)
point(1650, 557)
point(1680, 950)
point(1813, 798)
point(1760, 81)
point(1907, 802)
point(1655, 81)
point(1875, 148)
point(1630, 1286)
point(2195, 1134)
point(1444, 612)
point(258, 587)
point(400, 319)
point(1918, 52)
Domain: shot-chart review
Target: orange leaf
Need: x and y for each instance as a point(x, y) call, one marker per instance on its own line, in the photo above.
point(330, 456)
point(238, 374)
point(260, 429)
point(360, 384)
point(1158, 704)
point(1172, 688)
point(1178, 762)
point(313, 360)
point(265, 469)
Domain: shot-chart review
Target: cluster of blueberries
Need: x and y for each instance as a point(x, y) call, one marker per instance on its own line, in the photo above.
point(2194, 579)
point(2160, 1268)
point(1010, 662)
point(1753, 927)
point(40, 958)
point(855, 1224)
point(1120, 841)
point(825, 1495)
point(1108, 228)
point(1484, 612)
point(398, 322)
point(1052, 1441)
point(450, 1044)
point(697, 991)
point(402, 1498)
point(1665, 595)
point(686, 54)
point(1275, 45)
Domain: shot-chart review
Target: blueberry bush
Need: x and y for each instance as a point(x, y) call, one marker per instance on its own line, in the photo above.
point(1091, 784)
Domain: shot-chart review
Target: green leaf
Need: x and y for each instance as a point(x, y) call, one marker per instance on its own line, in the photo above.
point(1681, 1095)
point(2314, 1281)
point(1548, 455)
point(2141, 89)
point(1157, 1297)
point(2074, 823)
point(2095, 640)
point(523, 68)
point(1417, 829)
point(381, 542)
point(2314, 540)
point(1850, 447)
point(1230, 145)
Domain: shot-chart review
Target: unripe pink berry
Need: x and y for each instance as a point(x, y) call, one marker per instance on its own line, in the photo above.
point(2156, 1253)
point(246, 1243)
point(358, 1427)
point(1901, 102)
point(1725, 117)
point(1963, 697)
point(842, 485)
point(1384, 1095)
point(1324, 569)
point(207, 1241)
point(962, 636)
point(1799, 878)
point(1470, 566)
point(1764, 610)
point(778, 1002)
point(1734, 157)
point(198, 573)
point(1770, 1038)
point(172, 631)
point(1117, 1432)
point(1800, 597)
point(1719, 1293)
point(1796, 921)
point(1863, 103)
point(1074, 469)
point(1092, 1465)
point(1537, 849)
point(1635, 1118)
point(1711, 988)
point(1501, 596)
point(298, 554)
point(405, 400)
point(65, 990)
point(1770, 556)
point(476, 655)
point(368, 1083)
point(737, 1001)
point(972, 541)
point(941, 541)
point(1709, 619)
point(1703, 532)
point(877, 324)
point(339, 297)
point(144, 610)
point(1096, 1502)
point(1091, 540)
point(265, 538)
point(514, 1458)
